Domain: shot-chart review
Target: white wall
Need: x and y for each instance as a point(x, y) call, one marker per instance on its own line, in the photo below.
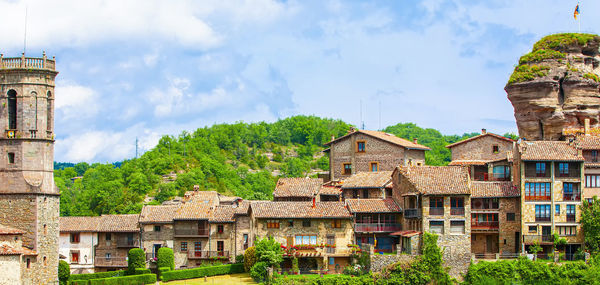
point(86, 244)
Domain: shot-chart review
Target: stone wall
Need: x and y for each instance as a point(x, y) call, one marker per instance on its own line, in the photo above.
point(10, 272)
point(242, 227)
point(373, 193)
point(481, 149)
point(509, 243)
point(379, 261)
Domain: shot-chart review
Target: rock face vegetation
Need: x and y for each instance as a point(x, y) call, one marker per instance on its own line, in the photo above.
point(556, 86)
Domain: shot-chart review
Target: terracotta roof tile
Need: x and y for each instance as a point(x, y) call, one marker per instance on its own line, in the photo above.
point(330, 190)
point(79, 224)
point(269, 209)
point(549, 150)
point(372, 206)
point(437, 180)
point(478, 137)
point(481, 189)
point(195, 209)
point(119, 223)
point(588, 142)
point(378, 179)
point(7, 249)
point(223, 214)
point(158, 213)
point(243, 207)
point(297, 187)
point(386, 137)
point(6, 230)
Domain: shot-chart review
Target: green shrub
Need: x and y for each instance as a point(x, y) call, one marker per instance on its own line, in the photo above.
point(268, 250)
point(258, 272)
point(165, 258)
point(249, 258)
point(591, 76)
point(140, 271)
point(295, 267)
point(315, 279)
point(239, 258)
point(539, 55)
point(136, 258)
point(202, 272)
point(162, 270)
point(89, 276)
point(526, 72)
point(561, 42)
point(64, 272)
point(131, 279)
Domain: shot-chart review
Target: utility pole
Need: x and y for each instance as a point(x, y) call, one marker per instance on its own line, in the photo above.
point(136, 147)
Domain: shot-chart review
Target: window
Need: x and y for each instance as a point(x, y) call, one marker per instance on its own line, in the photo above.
point(220, 247)
point(365, 193)
point(45, 229)
point(557, 210)
point(157, 228)
point(436, 227)
point(388, 192)
point(542, 213)
point(74, 256)
point(374, 166)
point(589, 200)
point(45, 261)
point(510, 217)
point(537, 191)
point(570, 213)
point(360, 146)
point(355, 193)
point(436, 206)
point(533, 229)
point(495, 149)
point(291, 223)
point(272, 224)
point(28, 263)
point(197, 246)
point(566, 230)
point(571, 192)
point(594, 156)
point(563, 169)
point(108, 236)
point(457, 227)
point(74, 237)
point(220, 229)
point(306, 223)
point(11, 157)
point(540, 169)
point(245, 240)
point(337, 223)
point(592, 181)
point(107, 255)
point(306, 239)
point(12, 109)
point(183, 246)
point(49, 112)
point(347, 168)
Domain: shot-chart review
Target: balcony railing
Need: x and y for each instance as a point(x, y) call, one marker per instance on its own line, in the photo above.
point(377, 227)
point(192, 254)
point(542, 219)
point(412, 213)
point(436, 211)
point(574, 196)
point(128, 243)
point(27, 62)
point(570, 217)
point(192, 232)
point(537, 198)
point(492, 177)
point(529, 239)
point(110, 261)
point(484, 225)
point(457, 211)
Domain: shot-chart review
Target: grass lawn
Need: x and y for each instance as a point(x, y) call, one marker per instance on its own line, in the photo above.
point(240, 278)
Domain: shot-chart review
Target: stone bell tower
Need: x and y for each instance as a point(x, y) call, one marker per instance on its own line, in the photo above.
point(29, 200)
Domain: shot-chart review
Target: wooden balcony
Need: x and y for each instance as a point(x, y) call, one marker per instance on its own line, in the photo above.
point(456, 211)
point(126, 243)
point(485, 225)
point(574, 196)
point(537, 198)
point(541, 239)
point(207, 254)
point(491, 177)
point(570, 217)
point(412, 213)
point(191, 232)
point(120, 261)
point(542, 218)
point(377, 227)
point(436, 211)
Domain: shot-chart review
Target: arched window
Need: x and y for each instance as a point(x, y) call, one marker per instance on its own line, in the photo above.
point(49, 112)
point(12, 109)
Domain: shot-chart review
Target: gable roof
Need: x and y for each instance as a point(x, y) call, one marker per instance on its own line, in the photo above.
point(79, 224)
point(480, 136)
point(270, 209)
point(437, 180)
point(378, 179)
point(330, 190)
point(194, 209)
point(372, 206)
point(297, 187)
point(8, 249)
point(385, 137)
point(158, 213)
point(549, 151)
point(119, 223)
point(504, 189)
point(588, 142)
point(223, 214)
point(6, 230)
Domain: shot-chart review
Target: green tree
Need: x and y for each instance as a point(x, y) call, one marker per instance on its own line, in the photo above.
point(136, 258)
point(269, 251)
point(249, 258)
point(64, 272)
point(590, 223)
point(165, 258)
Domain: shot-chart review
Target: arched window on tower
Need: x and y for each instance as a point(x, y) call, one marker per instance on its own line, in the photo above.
point(12, 109)
point(49, 113)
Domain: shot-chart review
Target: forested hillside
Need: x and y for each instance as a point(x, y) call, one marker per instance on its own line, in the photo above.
point(235, 159)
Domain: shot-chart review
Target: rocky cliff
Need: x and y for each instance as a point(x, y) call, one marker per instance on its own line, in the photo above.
point(556, 86)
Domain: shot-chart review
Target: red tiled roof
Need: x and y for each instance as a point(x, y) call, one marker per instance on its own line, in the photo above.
point(243, 207)
point(372, 206)
point(158, 213)
point(269, 209)
point(378, 179)
point(6, 230)
point(79, 224)
point(297, 187)
point(223, 214)
point(478, 137)
point(406, 233)
point(195, 209)
point(437, 180)
point(493, 189)
point(549, 151)
point(385, 137)
point(330, 190)
point(119, 223)
point(588, 142)
point(7, 249)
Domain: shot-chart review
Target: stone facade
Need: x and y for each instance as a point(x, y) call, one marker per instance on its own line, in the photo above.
point(481, 148)
point(112, 249)
point(11, 269)
point(162, 238)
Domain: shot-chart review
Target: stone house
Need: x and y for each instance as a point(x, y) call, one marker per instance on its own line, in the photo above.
point(330, 193)
point(371, 151)
point(551, 179)
point(297, 189)
point(15, 259)
point(192, 231)
point(436, 199)
point(485, 155)
point(590, 147)
point(368, 185)
point(77, 240)
point(376, 221)
point(156, 226)
point(117, 234)
point(318, 233)
point(243, 228)
point(495, 219)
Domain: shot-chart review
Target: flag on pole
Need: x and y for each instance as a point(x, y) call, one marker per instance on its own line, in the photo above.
point(576, 13)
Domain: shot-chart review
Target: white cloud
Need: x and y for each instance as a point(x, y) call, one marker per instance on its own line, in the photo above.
point(75, 101)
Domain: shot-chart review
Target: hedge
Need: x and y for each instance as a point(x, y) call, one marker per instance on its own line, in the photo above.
point(131, 279)
point(136, 258)
point(202, 272)
point(97, 275)
point(140, 271)
point(165, 258)
point(162, 270)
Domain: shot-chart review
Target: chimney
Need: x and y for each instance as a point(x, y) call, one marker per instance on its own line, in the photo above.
point(332, 137)
point(314, 202)
point(586, 126)
point(196, 187)
point(483, 131)
point(415, 140)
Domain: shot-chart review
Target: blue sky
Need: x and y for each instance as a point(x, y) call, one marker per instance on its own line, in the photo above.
point(148, 68)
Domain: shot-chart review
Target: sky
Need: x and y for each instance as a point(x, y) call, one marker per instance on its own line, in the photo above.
point(144, 68)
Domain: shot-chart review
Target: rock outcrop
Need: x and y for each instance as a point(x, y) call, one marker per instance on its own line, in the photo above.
point(556, 86)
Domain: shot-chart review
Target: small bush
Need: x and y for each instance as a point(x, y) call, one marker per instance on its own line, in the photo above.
point(539, 55)
point(140, 271)
point(258, 272)
point(131, 279)
point(239, 258)
point(202, 272)
point(165, 258)
point(64, 272)
point(526, 72)
point(561, 42)
point(162, 270)
point(295, 267)
point(136, 258)
point(249, 258)
point(89, 276)
point(591, 76)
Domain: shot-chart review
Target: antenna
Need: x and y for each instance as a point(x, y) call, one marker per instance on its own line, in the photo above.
point(361, 117)
point(136, 147)
point(25, 33)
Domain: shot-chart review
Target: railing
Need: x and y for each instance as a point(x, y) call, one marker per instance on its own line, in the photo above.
point(570, 217)
point(191, 232)
point(477, 225)
point(537, 198)
point(192, 254)
point(128, 243)
point(110, 261)
point(377, 227)
point(542, 219)
point(493, 177)
point(537, 238)
point(412, 213)
point(436, 211)
point(27, 62)
point(457, 211)
point(575, 196)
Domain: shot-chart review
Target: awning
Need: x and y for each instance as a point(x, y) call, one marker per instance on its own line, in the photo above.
point(406, 233)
